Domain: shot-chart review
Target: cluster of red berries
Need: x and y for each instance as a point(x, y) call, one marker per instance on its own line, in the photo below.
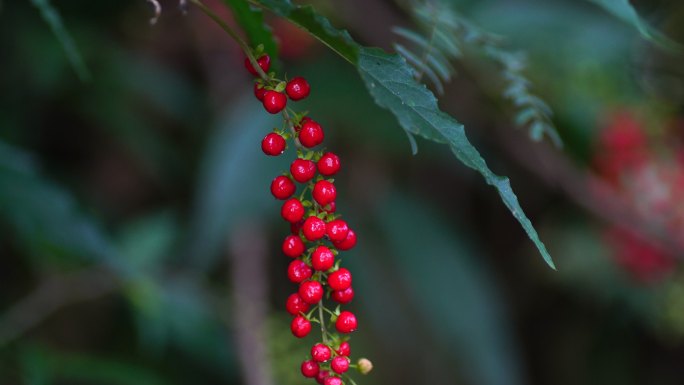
point(317, 232)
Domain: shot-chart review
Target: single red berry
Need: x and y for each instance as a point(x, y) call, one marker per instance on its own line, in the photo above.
point(340, 364)
point(322, 258)
point(330, 208)
point(298, 88)
point(297, 272)
point(259, 91)
point(311, 134)
point(282, 187)
point(329, 164)
point(295, 227)
point(295, 304)
point(274, 101)
point(333, 381)
point(293, 246)
point(302, 170)
point(324, 192)
point(300, 327)
point(343, 296)
point(311, 291)
point(344, 349)
point(346, 322)
point(310, 368)
point(313, 228)
point(263, 61)
point(340, 279)
point(348, 242)
point(322, 375)
point(292, 210)
point(320, 353)
point(273, 144)
point(337, 230)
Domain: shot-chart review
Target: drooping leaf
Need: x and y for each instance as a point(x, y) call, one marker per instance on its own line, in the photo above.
point(252, 22)
point(54, 20)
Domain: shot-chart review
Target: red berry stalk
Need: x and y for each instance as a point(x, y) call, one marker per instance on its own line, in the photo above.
point(318, 234)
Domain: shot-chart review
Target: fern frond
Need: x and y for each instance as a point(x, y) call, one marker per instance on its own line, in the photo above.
point(443, 34)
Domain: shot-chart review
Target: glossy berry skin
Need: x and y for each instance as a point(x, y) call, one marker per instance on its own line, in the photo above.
point(292, 210)
point(322, 259)
point(324, 192)
point(333, 381)
point(322, 375)
point(348, 243)
point(259, 91)
point(311, 291)
point(282, 187)
point(273, 144)
point(298, 88)
point(310, 368)
point(340, 279)
point(313, 228)
point(344, 349)
point(297, 272)
point(343, 296)
point(346, 322)
point(340, 364)
point(311, 134)
point(329, 164)
point(302, 170)
point(320, 353)
point(293, 246)
point(295, 304)
point(337, 230)
point(300, 327)
point(263, 61)
point(274, 101)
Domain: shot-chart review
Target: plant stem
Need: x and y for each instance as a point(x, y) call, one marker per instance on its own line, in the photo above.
point(324, 331)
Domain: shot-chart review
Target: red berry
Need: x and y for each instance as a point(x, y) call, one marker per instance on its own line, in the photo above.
point(274, 101)
point(293, 246)
point(264, 62)
point(298, 88)
point(324, 192)
point(330, 208)
point(343, 296)
point(320, 353)
point(295, 227)
point(297, 272)
point(302, 170)
point(295, 304)
point(337, 230)
point(333, 381)
point(322, 375)
point(340, 364)
point(344, 349)
point(273, 144)
point(329, 164)
point(282, 187)
point(300, 327)
point(292, 210)
point(346, 322)
point(340, 279)
point(348, 242)
point(311, 134)
point(322, 258)
point(311, 291)
point(259, 91)
point(313, 228)
point(310, 368)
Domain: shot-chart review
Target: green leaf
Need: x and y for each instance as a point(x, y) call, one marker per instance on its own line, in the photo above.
point(252, 22)
point(623, 10)
point(54, 20)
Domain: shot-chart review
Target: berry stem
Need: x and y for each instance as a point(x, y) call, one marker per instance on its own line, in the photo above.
point(324, 331)
point(289, 123)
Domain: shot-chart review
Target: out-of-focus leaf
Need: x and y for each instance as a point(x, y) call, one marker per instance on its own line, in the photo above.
point(623, 10)
point(227, 189)
point(54, 20)
point(452, 290)
point(252, 22)
point(147, 242)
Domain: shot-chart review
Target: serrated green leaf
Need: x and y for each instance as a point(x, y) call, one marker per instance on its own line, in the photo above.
point(54, 20)
point(420, 67)
point(252, 22)
point(623, 10)
point(411, 36)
